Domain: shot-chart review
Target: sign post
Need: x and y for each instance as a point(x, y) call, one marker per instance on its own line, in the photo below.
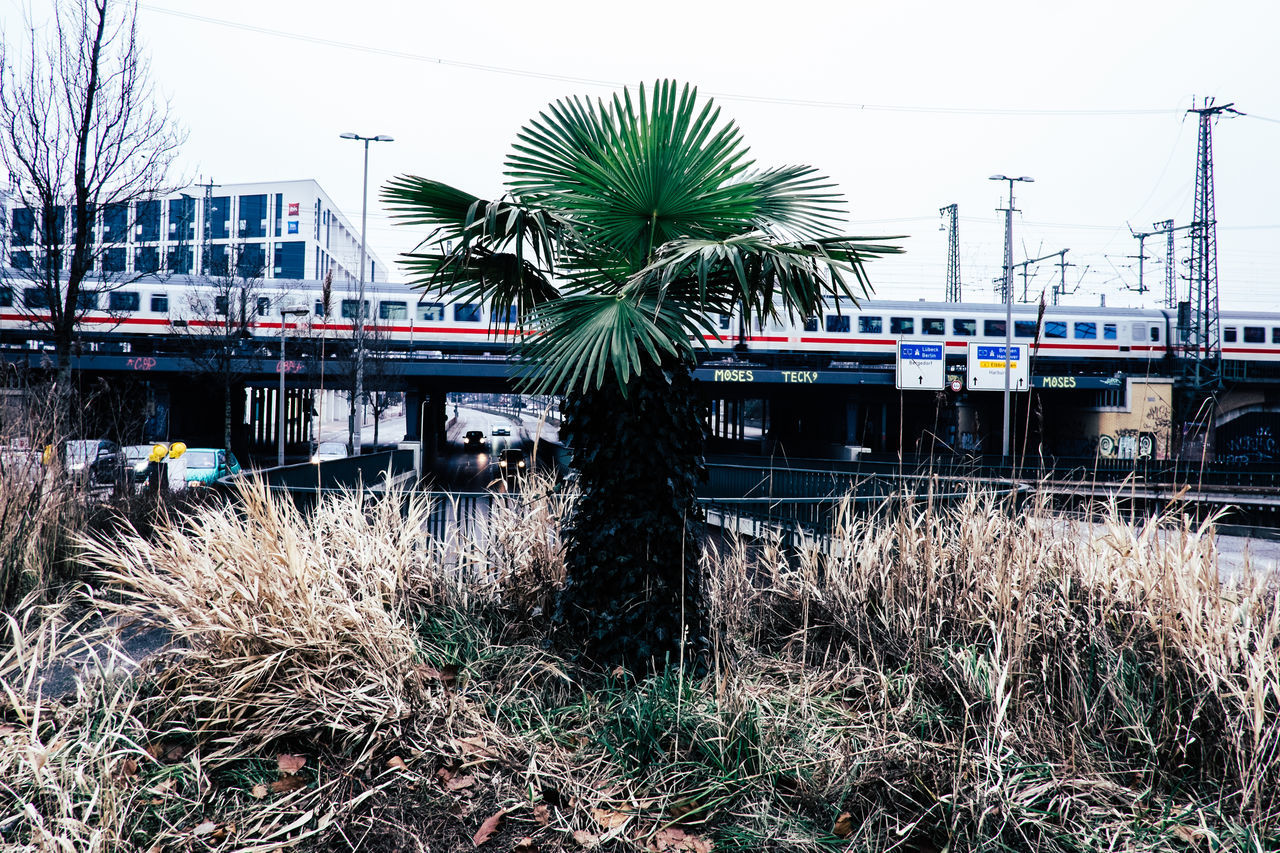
point(987, 365)
point(922, 366)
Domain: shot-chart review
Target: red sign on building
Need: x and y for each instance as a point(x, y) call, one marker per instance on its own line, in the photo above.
point(293, 208)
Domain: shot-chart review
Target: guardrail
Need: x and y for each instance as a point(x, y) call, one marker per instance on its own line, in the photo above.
point(373, 471)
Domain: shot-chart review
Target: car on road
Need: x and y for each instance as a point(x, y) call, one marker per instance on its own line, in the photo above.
point(474, 440)
point(137, 460)
point(512, 465)
point(208, 465)
point(95, 461)
point(501, 431)
point(326, 450)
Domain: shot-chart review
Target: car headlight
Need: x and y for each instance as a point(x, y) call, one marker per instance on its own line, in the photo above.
point(521, 464)
point(315, 460)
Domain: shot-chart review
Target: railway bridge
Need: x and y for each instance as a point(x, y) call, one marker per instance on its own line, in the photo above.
point(812, 405)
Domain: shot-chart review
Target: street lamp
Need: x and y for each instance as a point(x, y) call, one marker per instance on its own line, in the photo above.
point(1008, 303)
point(285, 312)
point(352, 440)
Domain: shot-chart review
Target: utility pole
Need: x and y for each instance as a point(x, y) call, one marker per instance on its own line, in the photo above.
point(1008, 305)
point(1203, 346)
point(1165, 226)
point(1026, 265)
point(1060, 288)
point(952, 212)
point(1141, 256)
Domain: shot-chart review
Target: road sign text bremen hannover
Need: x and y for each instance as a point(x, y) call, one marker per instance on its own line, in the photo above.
point(922, 366)
point(986, 367)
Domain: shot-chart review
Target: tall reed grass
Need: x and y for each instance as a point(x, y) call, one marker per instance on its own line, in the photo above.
point(946, 676)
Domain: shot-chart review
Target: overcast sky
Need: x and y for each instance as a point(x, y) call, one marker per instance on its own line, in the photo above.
point(907, 106)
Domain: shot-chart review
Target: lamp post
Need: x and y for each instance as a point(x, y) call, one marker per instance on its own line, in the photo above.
point(1008, 304)
point(356, 405)
point(285, 313)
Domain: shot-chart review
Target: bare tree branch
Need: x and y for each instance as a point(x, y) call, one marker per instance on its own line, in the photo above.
point(81, 130)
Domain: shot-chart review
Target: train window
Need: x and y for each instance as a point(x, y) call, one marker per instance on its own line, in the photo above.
point(1086, 331)
point(1024, 328)
point(840, 322)
point(811, 324)
point(508, 317)
point(263, 306)
point(993, 328)
point(351, 306)
point(6, 297)
point(220, 305)
point(1275, 335)
point(160, 303)
point(933, 326)
point(319, 307)
point(35, 297)
point(430, 312)
point(1055, 329)
point(1253, 334)
point(902, 325)
point(866, 325)
point(1109, 331)
point(467, 312)
point(393, 310)
point(724, 321)
point(1229, 334)
point(967, 328)
point(124, 300)
point(1155, 333)
point(1139, 332)
point(87, 300)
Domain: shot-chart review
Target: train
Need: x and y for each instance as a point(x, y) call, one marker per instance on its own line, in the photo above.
point(141, 316)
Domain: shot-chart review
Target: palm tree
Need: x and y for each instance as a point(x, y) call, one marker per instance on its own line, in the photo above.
point(627, 223)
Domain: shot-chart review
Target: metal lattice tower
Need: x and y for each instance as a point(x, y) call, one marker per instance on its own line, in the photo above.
point(952, 212)
point(1203, 346)
point(1170, 273)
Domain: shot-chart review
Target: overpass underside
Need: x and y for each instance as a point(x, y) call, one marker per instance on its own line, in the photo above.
point(829, 409)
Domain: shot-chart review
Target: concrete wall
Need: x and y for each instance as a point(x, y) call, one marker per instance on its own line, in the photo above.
point(1142, 426)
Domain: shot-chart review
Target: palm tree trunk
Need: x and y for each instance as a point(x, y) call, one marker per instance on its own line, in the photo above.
point(633, 588)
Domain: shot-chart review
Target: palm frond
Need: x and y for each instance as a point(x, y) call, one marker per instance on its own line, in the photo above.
point(585, 340)
point(770, 277)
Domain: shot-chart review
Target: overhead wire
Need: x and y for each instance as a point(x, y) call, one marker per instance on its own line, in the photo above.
point(593, 81)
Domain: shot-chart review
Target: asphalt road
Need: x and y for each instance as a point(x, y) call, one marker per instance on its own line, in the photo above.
point(461, 469)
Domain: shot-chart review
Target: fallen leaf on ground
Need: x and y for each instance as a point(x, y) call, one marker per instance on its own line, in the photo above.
point(395, 762)
point(205, 828)
point(608, 818)
point(844, 826)
point(165, 787)
point(675, 840)
point(291, 764)
point(446, 675)
point(586, 839)
point(259, 791)
point(474, 747)
point(487, 829)
point(459, 782)
point(525, 845)
point(542, 814)
point(127, 768)
point(287, 784)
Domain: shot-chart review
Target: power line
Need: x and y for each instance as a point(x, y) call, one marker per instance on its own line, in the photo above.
point(613, 84)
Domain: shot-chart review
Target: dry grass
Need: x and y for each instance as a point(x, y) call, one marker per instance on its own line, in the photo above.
point(948, 677)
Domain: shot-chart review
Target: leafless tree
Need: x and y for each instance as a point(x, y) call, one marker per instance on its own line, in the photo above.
point(215, 318)
point(81, 132)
